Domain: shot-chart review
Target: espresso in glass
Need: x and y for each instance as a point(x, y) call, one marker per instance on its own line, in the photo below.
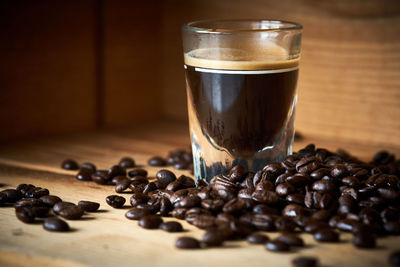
point(241, 104)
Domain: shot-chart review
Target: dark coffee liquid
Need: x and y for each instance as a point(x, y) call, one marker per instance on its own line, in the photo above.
point(241, 112)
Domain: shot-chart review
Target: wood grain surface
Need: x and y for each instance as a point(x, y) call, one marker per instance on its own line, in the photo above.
point(106, 238)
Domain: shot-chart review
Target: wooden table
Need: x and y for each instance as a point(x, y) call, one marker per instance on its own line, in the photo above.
point(106, 238)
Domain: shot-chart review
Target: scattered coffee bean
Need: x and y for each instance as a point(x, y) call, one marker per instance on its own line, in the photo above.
point(213, 237)
point(166, 176)
point(304, 261)
point(364, 240)
point(69, 164)
point(115, 170)
point(257, 238)
point(12, 195)
point(127, 162)
point(84, 175)
point(187, 243)
point(50, 200)
point(157, 161)
point(25, 214)
point(326, 235)
point(136, 214)
point(276, 246)
point(71, 212)
point(115, 201)
point(28, 202)
point(89, 206)
point(137, 172)
point(55, 225)
point(291, 239)
point(171, 227)
point(60, 205)
point(90, 167)
point(150, 221)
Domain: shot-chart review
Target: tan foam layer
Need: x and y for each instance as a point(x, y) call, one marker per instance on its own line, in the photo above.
point(270, 58)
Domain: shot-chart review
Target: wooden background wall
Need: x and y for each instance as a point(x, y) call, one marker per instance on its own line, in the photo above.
point(68, 66)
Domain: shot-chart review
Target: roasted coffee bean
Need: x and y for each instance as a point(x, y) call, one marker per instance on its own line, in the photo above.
point(152, 209)
point(28, 202)
point(166, 176)
point(394, 258)
point(40, 211)
point(138, 198)
point(187, 243)
point(282, 178)
point(100, 177)
point(55, 225)
point(37, 192)
point(304, 261)
point(266, 197)
point(25, 214)
point(339, 171)
point(319, 173)
point(122, 185)
point(214, 205)
point(117, 179)
point(136, 214)
point(157, 161)
point(89, 167)
point(84, 175)
point(257, 238)
point(237, 206)
point(213, 237)
point(137, 172)
point(364, 240)
point(298, 179)
point(188, 202)
point(351, 181)
point(308, 164)
point(149, 187)
point(139, 180)
point(69, 164)
point(165, 206)
point(60, 205)
point(291, 240)
point(347, 225)
point(389, 194)
point(180, 165)
point(137, 188)
point(127, 162)
point(284, 224)
point(24, 188)
point(12, 195)
point(150, 221)
point(263, 222)
point(237, 174)
point(115, 170)
point(284, 189)
point(71, 212)
point(322, 215)
point(264, 209)
point(312, 226)
point(392, 227)
point(202, 221)
point(326, 235)
point(293, 210)
point(324, 186)
point(50, 200)
point(276, 246)
point(171, 227)
point(264, 185)
point(89, 206)
point(115, 201)
point(179, 213)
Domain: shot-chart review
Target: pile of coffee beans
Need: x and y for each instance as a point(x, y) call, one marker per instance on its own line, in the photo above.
point(315, 191)
point(35, 205)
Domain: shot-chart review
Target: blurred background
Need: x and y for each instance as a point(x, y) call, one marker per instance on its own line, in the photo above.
point(71, 66)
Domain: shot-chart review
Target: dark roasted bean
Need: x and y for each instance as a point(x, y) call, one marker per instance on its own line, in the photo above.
point(12, 195)
point(69, 164)
point(291, 239)
point(115, 201)
point(150, 221)
point(127, 162)
point(3, 198)
point(149, 187)
point(89, 167)
point(122, 185)
point(179, 213)
point(351, 181)
point(339, 171)
point(319, 173)
point(324, 186)
point(55, 225)
point(347, 225)
point(264, 222)
point(157, 161)
point(284, 189)
point(257, 238)
point(89, 206)
point(116, 170)
point(171, 227)
point(266, 197)
point(50, 200)
point(295, 199)
point(166, 176)
point(25, 214)
point(100, 177)
point(137, 172)
point(165, 206)
point(276, 246)
point(392, 227)
point(285, 224)
point(304, 261)
point(308, 164)
point(136, 214)
point(138, 198)
point(313, 225)
point(37, 192)
point(298, 179)
point(187, 243)
point(40, 211)
point(213, 237)
point(180, 165)
point(152, 209)
point(188, 202)
point(60, 205)
point(326, 235)
point(237, 174)
point(293, 210)
point(28, 202)
point(364, 240)
point(71, 212)
point(84, 175)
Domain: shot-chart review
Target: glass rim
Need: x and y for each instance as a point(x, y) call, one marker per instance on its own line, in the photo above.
point(191, 26)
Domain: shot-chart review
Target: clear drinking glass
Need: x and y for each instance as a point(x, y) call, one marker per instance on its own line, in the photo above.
point(241, 78)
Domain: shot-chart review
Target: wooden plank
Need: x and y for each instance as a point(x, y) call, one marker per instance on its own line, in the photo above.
point(48, 67)
point(350, 67)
